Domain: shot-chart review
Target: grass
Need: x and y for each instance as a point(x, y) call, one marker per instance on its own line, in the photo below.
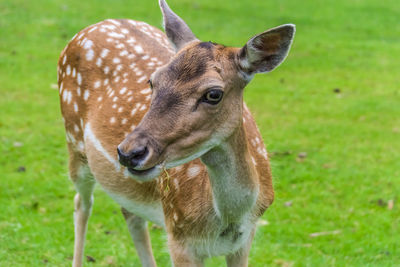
point(335, 100)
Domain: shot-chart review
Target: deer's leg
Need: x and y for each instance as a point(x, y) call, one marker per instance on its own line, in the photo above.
point(84, 185)
point(181, 256)
point(240, 258)
point(140, 235)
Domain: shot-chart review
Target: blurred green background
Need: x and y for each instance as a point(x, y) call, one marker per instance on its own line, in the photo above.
point(329, 115)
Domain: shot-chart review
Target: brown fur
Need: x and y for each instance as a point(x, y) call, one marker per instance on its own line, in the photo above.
point(99, 98)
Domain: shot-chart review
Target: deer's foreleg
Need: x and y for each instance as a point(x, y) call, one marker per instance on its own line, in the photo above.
point(140, 235)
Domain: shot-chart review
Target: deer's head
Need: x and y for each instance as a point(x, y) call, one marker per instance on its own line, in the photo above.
point(197, 97)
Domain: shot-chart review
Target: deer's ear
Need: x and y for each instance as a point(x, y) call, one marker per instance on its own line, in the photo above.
point(178, 32)
point(265, 51)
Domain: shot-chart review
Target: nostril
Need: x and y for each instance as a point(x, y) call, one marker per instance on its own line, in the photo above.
point(138, 154)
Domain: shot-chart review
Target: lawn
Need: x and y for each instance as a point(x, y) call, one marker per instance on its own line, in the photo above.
point(330, 117)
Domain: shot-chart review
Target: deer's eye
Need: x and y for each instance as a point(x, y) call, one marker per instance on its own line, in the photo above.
point(213, 96)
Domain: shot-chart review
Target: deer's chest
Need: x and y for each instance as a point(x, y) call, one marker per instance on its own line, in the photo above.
point(226, 240)
point(151, 211)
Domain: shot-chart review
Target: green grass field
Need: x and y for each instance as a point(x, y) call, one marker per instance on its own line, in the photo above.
point(335, 101)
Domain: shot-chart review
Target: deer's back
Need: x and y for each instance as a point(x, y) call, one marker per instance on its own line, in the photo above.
point(104, 93)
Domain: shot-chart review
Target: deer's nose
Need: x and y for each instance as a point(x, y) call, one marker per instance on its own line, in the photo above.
point(134, 158)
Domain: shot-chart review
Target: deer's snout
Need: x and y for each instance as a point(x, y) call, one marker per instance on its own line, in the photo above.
point(133, 158)
point(137, 152)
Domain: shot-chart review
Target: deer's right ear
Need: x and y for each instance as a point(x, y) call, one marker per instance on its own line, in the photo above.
point(178, 32)
point(265, 51)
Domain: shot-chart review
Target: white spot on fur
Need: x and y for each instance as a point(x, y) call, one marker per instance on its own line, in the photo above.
point(108, 27)
point(138, 49)
point(97, 84)
point(142, 79)
point(112, 120)
point(89, 55)
point(79, 78)
point(99, 61)
point(116, 35)
point(68, 70)
point(69, 97)
point(116, 60)
point(178, 168)
point(114, 21)
point(88, 44)
point(120, 46)
point(124, 120)
point(61, 87)
point(193, 171)
point(92, 29)
point(76, 107)
point(104, 52)
point(131, 40)
point(106, 69)
point(123, 90)
point(65, 95)
point(86, 95)
point(132, 22)
point(80, 36)
point(123, 53)
point(133, 112)
point(145, 91)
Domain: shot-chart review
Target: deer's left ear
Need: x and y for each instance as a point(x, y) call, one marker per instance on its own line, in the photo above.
point(178, 32)
point(265, 51)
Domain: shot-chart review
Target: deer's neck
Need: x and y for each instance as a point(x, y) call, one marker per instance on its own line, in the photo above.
point(233, 177)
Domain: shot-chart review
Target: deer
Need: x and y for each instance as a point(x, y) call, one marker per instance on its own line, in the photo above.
point(159, 122)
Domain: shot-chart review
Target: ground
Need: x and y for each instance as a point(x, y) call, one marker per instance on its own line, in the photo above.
point(330, 117)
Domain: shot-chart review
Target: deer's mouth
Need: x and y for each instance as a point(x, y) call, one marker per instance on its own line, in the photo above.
point(140, 172)
point(145, 175)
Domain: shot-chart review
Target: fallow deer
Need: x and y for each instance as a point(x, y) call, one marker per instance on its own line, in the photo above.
point(159, 122)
